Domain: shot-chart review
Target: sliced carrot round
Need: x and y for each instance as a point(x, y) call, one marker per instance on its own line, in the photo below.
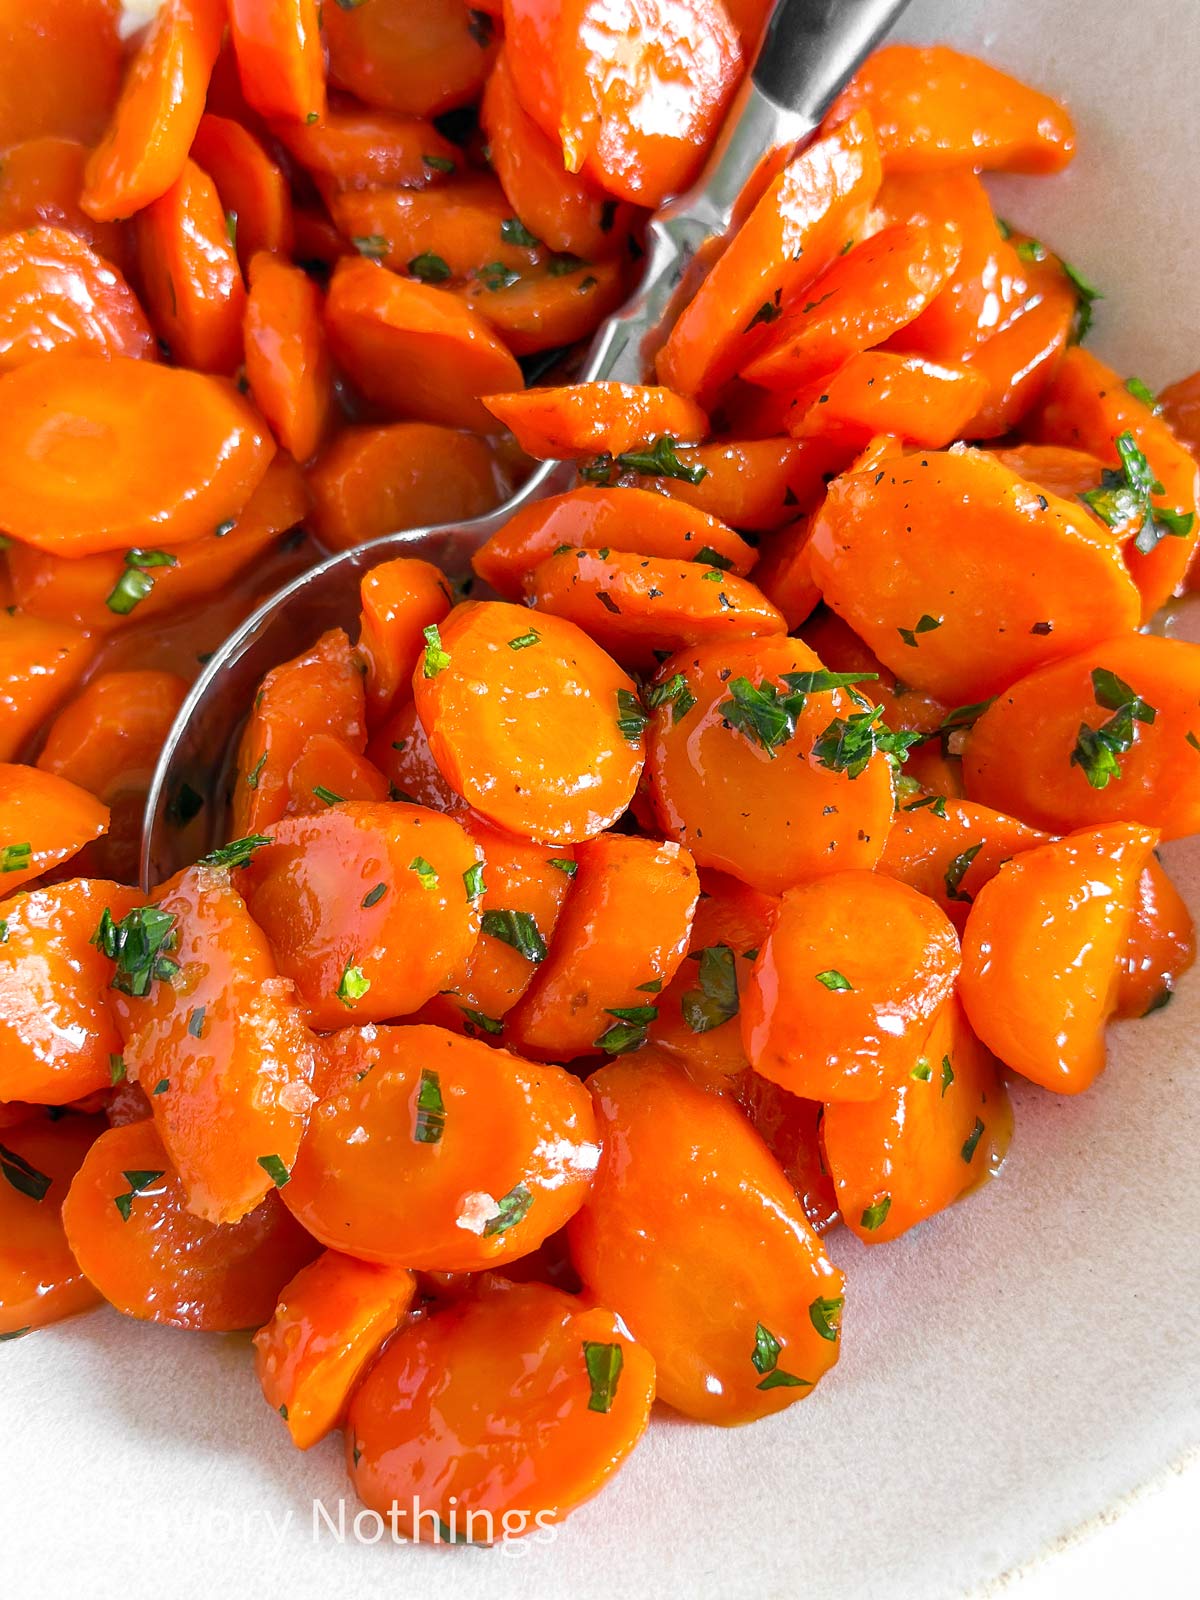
point(279, 55)
point(287, 360)
point(400, 599)
point(1161, 945)
point(419, 57)
point(358, 146)
point(57, 294)
point(401, 751)
point(41, 661)
point(40, 1280)
point(548, 307)
point(253, 190)
point(586, 418)
point(62, 69)
point(40, 185)
point(44, 819)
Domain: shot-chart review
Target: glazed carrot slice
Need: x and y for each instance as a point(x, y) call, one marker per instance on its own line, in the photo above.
point(1161, 945)
point(846, 986)
point(109, 590)
point(400, 599)
point(862, 299)
point(548, 307)
point(57, 294)
point(626, 519)
point(552, 751)
point(1089, 408)
point(922, 402)
point(190, 275)
point(89, 484)
point(40, 663)
point(252, 189)
point(562, 208)
point(287, 361)
point(753, 484)
point(507, 1361)
point(419, 57)
point(622, 934)
point(129, 1226)
point(357, 147)
point(372, 481)
point(936, 108)
point(784, 574)
point(461, 228)
point(317, 243)
point(326, 1331)
point(320, 691)
point(1108, 735)
point(401, 751)
point(904, 707)
point(1070, 474)
point(687, 55)
point(415, 351)
point(1042, 948)
point(280, 60)
point(62, 69)
point(912, 1150)
point(634, 606)
point(949, 848)
point(793, 234)
point(327, 767)
point(395, 916)
point(40, 185)
point(1019, 362)
point(1027, 579)
point(524, 887)
point(57, 1033)
point(741, 1315)
point(586, 418)
point(40, 1280)
point(162, 99)
point(1179, 402)
point(44, 819)
point(730, 767)
point(441, 1152)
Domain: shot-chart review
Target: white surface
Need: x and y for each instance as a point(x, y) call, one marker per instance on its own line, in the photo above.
point(1011, 1371)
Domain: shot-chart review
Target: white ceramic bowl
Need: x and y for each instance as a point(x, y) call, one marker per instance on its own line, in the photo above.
point(1010, 1371)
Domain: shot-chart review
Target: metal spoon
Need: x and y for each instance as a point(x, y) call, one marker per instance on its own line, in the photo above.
point(810, 49)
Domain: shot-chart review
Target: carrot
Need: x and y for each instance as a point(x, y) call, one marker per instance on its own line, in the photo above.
point(57, 294)
point(400, 599)
point(451, 1393)
point(111, 589)
point(752, 484)
point(280, 60)
point(320, 691)
point(1019, 361)
point(922, 402)
point(1027, 578)
point(1160, 948)
point(327, 1329)
point(564, 209)
point(253, 191)
point(914, 1149)
point(401, 751)
point(40, 1280)
point(328, 766)
point(1179, 402)
point(1088, 408)
point(359, 147)
point(318, 245)
point(462, 228)
point(62, 69)
point(735, 754)
point(552, 752)
point(396, 918)
point(130, 1229)
point(1041, 952)
point(40, 663)
point(524, 888)
point(41, 181)
point(586, 418)
point(866, 296)
point(936, 109)
point(146, 145)
point(610, 123)
point(793, 234)
point(415, 351)
point(846, 986)
point(1070, 474)
point(634, 606)
point(418, 57)
point(784, 574)
point(904, 708)
point(549, 306)
point(1108, 735)
point(630, 520)
point(620, 938)
point(440, 1152)
point(287, 360)
point(58, 1034)
point(372, 481)
point(90, 486)
point(44, 820)
point(673, 1153)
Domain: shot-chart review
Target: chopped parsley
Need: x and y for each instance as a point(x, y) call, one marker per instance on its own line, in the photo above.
point(835, 981)
point(1124, 495)
point(673, 692)
point(874, 1215)
point(764, 1358)
point(23, 1177)
point(603, 1363)
point(374, 896)
point(628, 1031)
point(631, 715)
point(139, 1183)
point(972, 1141)
point(429, 268)
point(524, 640)
point(825, 1316)
point(657, 460)
point(514, 1207)
point(16, 857)
point(957, 871)
point(436, 659)
point(139, 946)
point(514, 231)
point(925, 624)
point(473, 881)
point(275, 1170)
point(716, 999)
point(848, 743)
point(517, 929)
point(353, 984)
point(430, 1121)
point(1096, 749)
point(135, 583)
point(425, 872)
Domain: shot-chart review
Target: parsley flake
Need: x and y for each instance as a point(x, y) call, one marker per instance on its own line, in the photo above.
point(716, 999)
point(603, 1363)
point(517, 929)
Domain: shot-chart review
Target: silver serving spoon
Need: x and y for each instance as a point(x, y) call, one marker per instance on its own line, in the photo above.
point(810, 49)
